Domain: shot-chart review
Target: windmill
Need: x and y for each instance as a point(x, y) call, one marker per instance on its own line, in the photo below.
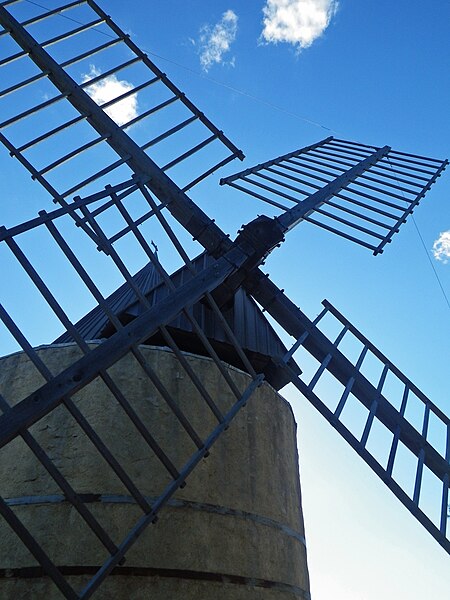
point(118, 184)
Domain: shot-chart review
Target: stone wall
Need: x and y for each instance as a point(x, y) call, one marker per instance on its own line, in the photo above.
point(234, 532)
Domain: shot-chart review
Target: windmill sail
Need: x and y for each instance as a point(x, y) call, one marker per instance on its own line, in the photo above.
point(362, 193)
point(88, 366)
point(386, 419)
point(126, 116)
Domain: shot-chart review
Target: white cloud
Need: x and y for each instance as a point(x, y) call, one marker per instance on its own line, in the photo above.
point(441, 247)
point(297, 22)
point(109, 88)
point(216, 41)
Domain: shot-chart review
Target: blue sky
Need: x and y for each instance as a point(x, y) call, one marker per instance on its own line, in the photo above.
point(376, 72)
